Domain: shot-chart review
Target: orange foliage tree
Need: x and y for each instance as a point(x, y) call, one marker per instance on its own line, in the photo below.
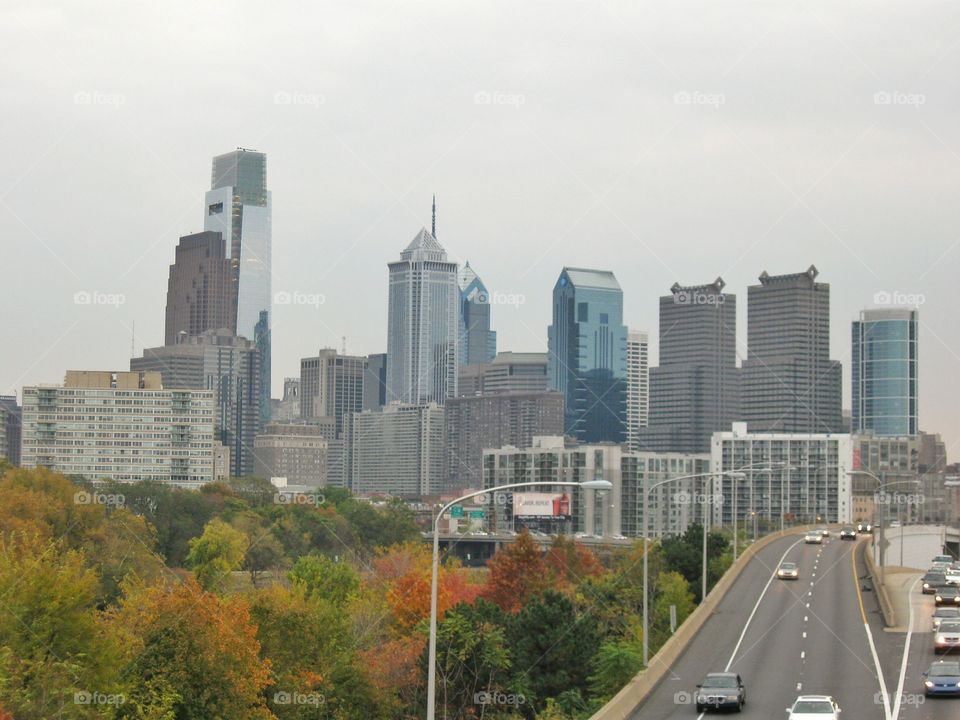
point(515, 574)
point(569, 562)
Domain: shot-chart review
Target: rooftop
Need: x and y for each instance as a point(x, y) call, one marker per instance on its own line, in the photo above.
point(587, 278)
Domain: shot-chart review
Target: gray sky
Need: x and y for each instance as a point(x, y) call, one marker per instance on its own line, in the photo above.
point(671, 141)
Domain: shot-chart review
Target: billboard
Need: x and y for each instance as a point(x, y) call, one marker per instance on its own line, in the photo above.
point(541, 505)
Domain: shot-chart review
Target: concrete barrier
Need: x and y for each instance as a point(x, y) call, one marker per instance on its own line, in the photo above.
point(886, 607)
point(624, 703)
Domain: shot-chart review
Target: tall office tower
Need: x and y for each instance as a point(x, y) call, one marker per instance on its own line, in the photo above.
point(238, 205)
point(375, 382)
point(516, 372)
point(229, 366)
point(295, 451)
point(588, 354)
point(261, 338)
point(884, 372)
point(788, 381)
point(399, 451)
point(492, 421)
point(478, 344)
point(638, 386)
point(331, 385)
point(695, 390)
point(201, 292)
point(423, 323)
point(120, 425)
point(10, 428)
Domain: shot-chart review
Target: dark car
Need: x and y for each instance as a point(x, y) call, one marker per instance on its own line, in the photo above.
point(942, 678)
point(848, 533)
point(932, 582)
point(947, 596)
point(864, 527)
point(721, 690)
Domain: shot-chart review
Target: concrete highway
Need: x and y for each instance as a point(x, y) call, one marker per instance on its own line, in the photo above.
point(818, 635)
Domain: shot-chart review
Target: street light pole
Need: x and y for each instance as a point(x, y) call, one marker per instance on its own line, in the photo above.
point(432, 653)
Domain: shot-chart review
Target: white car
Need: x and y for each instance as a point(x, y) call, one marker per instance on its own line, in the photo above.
point(813, 538)
point(952, 576)
point(788, 571)
point(814, 707)
point(947, 636)
point(945, 614)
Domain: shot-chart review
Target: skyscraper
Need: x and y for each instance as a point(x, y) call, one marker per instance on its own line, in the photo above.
point(695, 390)
point(331, 385)
point(238, 205)
point(261, 338)
point(884, 372)
point(478, 344)
point(588, 354)
point(423, 323)
point(201, 292)
point(375, 382)
point(638, 386)
point(789, 384)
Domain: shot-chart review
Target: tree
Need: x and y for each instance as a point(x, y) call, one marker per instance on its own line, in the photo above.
point(379, 526)
point(516, 573)
point(685, 555)
point(216, 554)
point(263, 551)
point(615, 664)
point(321, 577)
point(124, 545)
point(570, 562)
point(191, 652)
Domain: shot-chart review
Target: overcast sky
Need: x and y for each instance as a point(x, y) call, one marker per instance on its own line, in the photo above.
point(669, 141)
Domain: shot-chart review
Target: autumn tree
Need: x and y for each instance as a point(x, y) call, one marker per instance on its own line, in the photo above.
point(569, 562)
point(323, 578)
point(516, 573)
point(216, 554)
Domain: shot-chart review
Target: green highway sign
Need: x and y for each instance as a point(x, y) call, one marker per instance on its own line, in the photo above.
point(456, 511)
point(477, 514)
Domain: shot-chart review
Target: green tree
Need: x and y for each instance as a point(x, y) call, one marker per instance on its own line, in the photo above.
point(216, 554)
point(685, 555)
point(321, 577)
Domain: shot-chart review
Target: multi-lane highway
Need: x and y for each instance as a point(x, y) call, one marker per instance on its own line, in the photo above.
point(821, 634)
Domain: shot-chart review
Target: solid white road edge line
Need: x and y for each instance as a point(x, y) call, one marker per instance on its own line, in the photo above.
point(906, 655)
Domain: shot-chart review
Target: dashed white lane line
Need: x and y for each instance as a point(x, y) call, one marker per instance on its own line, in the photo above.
point(805, 618)
point(803, 654)
point(804, 634)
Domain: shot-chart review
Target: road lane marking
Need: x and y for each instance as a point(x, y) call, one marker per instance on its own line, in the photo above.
point(906, 655)
point(804, 634)
point(866, 627)
point(803, 654)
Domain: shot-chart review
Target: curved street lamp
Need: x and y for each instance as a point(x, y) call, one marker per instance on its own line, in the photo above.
point(432, 667)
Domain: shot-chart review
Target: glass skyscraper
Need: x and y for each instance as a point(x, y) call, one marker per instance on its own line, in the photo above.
point(588, 354)
point(884, 372)
point(478, 344)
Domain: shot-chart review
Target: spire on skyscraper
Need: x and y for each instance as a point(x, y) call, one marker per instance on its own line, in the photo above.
point(433, 224)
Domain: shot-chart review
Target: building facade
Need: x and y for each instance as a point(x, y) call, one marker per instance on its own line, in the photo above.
point(789, 384)
point(331, 385)
point(492, 421)
point(225, 364)
point(695, 390)
point(883, 372)
point(788, 477)
point(588, 354)
point(287, 408)
point(201, 289)
point(423, 324)
point(638, 387)
point(398, 451)
point(375, 394)
point(123, 426)
point(11, 420)
point(295, 451)
point(478, 344)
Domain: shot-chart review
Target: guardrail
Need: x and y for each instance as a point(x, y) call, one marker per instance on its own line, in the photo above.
point(625, 702)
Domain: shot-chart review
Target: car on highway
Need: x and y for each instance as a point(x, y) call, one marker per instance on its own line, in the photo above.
point(721, 690)
point(814, 707)
point(947, 596)
point(947, 636)
point(895, 524)
point(948, 559)
point(945, 613)
point(932, 581)
point(942, 678)
point(848, 533)
point(952, 576)
point(788, 571)
point(864, 527)
point(940, 567)
point(813, 538)
point(824, 532)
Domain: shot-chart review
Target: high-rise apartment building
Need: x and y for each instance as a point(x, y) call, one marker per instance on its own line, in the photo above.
point(588, 354)
point(238, 206)
point(398, 451)
point(788, 381)
point(478, 344)
point(883, 372)
point(375, 382)
point(638, 386)
point(331, 385)
point(123, 426)
point(694, 391)
point(492, 421)
point(201, 290)
point(225, 364)
point(10, 426)
point(295, 451)
point(423, 323)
